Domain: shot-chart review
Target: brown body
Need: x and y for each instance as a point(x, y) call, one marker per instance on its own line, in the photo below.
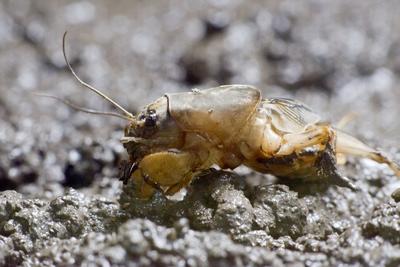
point(182, 134)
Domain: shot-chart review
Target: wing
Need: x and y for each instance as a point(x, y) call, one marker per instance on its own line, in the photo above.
point(289, 115)
point(221, 111)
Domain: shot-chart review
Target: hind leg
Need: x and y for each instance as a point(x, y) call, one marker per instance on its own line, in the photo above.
point(345, 120)
point(348, 145)
point(323, 158)
point(317, 135)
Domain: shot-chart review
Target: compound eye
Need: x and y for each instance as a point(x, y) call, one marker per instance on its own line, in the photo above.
point(151, 119)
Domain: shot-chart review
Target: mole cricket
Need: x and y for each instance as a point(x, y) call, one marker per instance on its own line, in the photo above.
point(180, 135)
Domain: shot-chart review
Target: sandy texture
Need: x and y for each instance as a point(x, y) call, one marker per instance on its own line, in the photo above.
point(337, 57)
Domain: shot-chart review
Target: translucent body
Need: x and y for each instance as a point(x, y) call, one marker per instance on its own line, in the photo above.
point(182, 134)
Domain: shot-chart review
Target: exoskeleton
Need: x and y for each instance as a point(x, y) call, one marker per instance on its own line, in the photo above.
point(182, 134)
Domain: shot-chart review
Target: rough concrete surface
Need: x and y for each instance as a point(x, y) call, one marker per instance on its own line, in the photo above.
point(60, 201)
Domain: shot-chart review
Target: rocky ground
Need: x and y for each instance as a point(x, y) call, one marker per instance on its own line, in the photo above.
point(61, 203)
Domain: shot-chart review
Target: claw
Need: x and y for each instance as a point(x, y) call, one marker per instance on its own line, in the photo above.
point(342, 181)
point(127, 171)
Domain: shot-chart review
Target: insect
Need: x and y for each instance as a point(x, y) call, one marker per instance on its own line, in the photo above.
point(182, 134)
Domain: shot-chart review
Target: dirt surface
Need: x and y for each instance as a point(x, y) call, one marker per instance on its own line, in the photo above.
point(61, 204)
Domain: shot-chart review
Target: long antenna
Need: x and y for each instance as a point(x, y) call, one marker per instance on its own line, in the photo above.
point(87, 110)
point(128, 114)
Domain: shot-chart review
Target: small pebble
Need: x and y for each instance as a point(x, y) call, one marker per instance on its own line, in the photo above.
point(396, 195)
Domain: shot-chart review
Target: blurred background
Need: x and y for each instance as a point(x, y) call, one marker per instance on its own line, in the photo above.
point(337, 57)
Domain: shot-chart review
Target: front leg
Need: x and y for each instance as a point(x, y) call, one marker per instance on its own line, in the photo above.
point(168, 171)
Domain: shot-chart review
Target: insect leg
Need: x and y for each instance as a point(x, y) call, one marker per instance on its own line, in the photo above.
point(345, 120)
point(165, 170)
point(173, 189)
point(127, 171)
point(149, 181)
point(293, 142)
point(349, 145)
point(144, 188)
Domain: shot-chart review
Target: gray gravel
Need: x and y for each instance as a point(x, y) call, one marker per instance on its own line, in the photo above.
point(337, 57)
